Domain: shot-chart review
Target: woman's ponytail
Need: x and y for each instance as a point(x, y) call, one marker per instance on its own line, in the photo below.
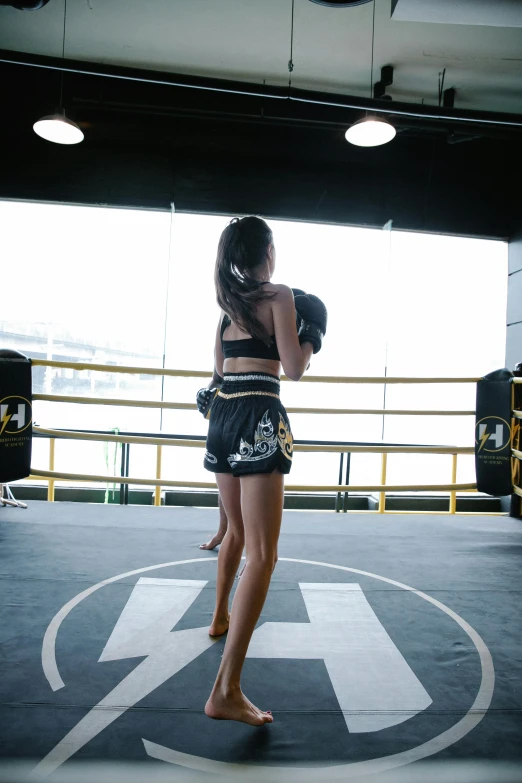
point(243, 246)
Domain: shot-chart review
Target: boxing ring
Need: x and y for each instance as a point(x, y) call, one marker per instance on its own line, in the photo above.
point(388, 640)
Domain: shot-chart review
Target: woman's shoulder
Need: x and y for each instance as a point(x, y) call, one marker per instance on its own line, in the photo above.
point(281, 292)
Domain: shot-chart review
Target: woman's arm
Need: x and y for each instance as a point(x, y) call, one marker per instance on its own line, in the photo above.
point(294, 357)
point(217, 377)
point(204, 397)
point(216, 380)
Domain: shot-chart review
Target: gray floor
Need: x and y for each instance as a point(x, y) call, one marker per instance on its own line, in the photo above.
point(355, 666)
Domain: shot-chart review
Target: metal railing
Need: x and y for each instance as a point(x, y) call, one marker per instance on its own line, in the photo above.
point(51, 475)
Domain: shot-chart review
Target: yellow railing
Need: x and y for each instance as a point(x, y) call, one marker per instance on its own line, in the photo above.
point(158, 482)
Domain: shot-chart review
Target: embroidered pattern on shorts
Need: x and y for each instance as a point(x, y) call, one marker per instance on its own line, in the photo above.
point(210, 458)
point(266, 442)
point(286, 441)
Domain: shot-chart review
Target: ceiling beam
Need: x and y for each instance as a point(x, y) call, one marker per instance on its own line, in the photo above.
point(325, 99)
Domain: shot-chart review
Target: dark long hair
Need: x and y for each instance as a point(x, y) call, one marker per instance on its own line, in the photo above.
point(242, 247)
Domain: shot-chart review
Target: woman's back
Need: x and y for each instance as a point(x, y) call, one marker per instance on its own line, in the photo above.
point(232, 332)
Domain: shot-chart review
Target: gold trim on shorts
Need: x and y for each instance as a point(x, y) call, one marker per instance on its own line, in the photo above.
point(247, 394)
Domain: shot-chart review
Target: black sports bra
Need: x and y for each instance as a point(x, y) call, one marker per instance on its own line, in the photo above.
point(251, 347)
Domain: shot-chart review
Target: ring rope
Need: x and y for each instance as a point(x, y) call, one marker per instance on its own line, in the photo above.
point(192, 406)
point(44, 474)
point(111, 368)
point(144, 440)
point(380, 411)
point(387, 449)
point(186, 406)
point(121, 368)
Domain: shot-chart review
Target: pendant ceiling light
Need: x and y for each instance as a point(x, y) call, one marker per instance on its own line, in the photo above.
point(370, 131)
point(28, 5)
point(57, 127)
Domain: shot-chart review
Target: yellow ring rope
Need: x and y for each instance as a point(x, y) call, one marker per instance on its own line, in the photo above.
point(205, 374)
point(185, 406)
point(145, 441)
point(44, 474)
point(74, 435)
point(121, 368)
point(189, 406)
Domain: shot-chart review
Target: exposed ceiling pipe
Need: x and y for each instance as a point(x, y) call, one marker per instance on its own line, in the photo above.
point(261, 91)
point(405, 126)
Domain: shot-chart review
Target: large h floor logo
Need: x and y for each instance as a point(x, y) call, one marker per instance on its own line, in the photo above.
point(375, 686)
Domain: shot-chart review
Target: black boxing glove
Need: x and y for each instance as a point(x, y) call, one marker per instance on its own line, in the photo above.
point(204, 399)
point(314, 319)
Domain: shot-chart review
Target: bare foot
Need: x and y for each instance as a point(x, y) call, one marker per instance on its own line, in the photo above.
point(235, 706)
point(213, 543)
point(219, 626)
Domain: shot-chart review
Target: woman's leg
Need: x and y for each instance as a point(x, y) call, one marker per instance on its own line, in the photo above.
point(220, 535)
point(262, 507)
point(230, 551)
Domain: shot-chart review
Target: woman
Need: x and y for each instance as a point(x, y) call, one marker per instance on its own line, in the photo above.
point(249, 443)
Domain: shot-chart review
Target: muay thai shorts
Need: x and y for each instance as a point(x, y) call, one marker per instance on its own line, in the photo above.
point(249, 431)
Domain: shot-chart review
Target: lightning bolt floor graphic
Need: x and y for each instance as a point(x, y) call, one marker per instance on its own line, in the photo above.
point(144, 628)
point(342, 630)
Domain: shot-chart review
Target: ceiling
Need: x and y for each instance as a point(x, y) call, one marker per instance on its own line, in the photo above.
point(249, 40)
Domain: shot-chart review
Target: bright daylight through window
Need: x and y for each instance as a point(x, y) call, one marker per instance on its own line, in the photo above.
point(102, 285)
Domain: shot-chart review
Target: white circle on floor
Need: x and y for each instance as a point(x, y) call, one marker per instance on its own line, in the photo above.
point(288, 773)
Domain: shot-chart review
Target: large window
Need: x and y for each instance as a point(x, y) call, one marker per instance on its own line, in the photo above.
point(136, 288)
point(91, 287)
